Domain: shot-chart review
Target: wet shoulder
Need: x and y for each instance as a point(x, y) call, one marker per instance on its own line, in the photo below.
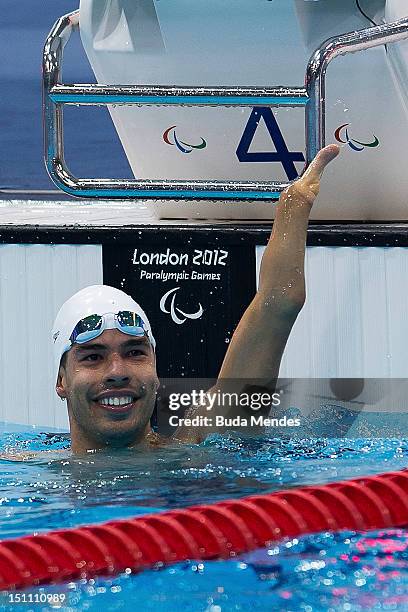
point(155, 440)
point(19, 456)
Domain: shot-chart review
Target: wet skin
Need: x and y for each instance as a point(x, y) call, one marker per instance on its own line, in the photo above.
point(260, 336)
point(114, 364)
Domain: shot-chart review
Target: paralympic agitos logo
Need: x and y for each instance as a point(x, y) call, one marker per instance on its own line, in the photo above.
point(170, 138)
point(168, 300)
point(342, 135)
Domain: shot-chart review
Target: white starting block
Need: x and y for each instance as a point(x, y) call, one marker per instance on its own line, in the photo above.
point(254, 146)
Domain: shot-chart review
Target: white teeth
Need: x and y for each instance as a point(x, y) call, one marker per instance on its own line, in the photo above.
point(116, 401)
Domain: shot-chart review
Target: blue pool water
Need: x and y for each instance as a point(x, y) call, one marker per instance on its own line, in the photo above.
point(24, 27)
point(345, 571)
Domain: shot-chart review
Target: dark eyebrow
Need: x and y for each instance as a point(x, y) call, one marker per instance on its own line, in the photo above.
point(95, 346)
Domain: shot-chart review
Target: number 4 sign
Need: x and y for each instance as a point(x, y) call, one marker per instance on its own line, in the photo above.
point(282, 154)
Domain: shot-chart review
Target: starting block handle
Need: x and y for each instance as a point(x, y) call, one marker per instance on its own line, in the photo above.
point(312, 97)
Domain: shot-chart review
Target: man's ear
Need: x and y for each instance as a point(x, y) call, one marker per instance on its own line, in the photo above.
point(60, 386)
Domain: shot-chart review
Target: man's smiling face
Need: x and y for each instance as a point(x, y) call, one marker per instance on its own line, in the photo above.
point(110, 384)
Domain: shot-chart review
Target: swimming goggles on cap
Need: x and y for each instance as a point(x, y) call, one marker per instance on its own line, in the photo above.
point(94, 325)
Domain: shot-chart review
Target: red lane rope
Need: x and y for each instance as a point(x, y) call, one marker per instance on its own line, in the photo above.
point(220, 530)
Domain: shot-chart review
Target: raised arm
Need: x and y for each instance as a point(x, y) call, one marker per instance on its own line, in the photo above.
point(260, 338)
point(256, 348)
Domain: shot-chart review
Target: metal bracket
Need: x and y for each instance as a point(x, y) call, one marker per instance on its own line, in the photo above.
point(312, 97)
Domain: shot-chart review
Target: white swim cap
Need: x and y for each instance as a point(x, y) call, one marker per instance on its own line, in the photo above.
point(96, 299)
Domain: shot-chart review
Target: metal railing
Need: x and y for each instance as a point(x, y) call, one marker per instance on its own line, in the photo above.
point(312, 97)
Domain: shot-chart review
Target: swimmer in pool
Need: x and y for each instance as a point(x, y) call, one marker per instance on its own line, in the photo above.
point(105, 364)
